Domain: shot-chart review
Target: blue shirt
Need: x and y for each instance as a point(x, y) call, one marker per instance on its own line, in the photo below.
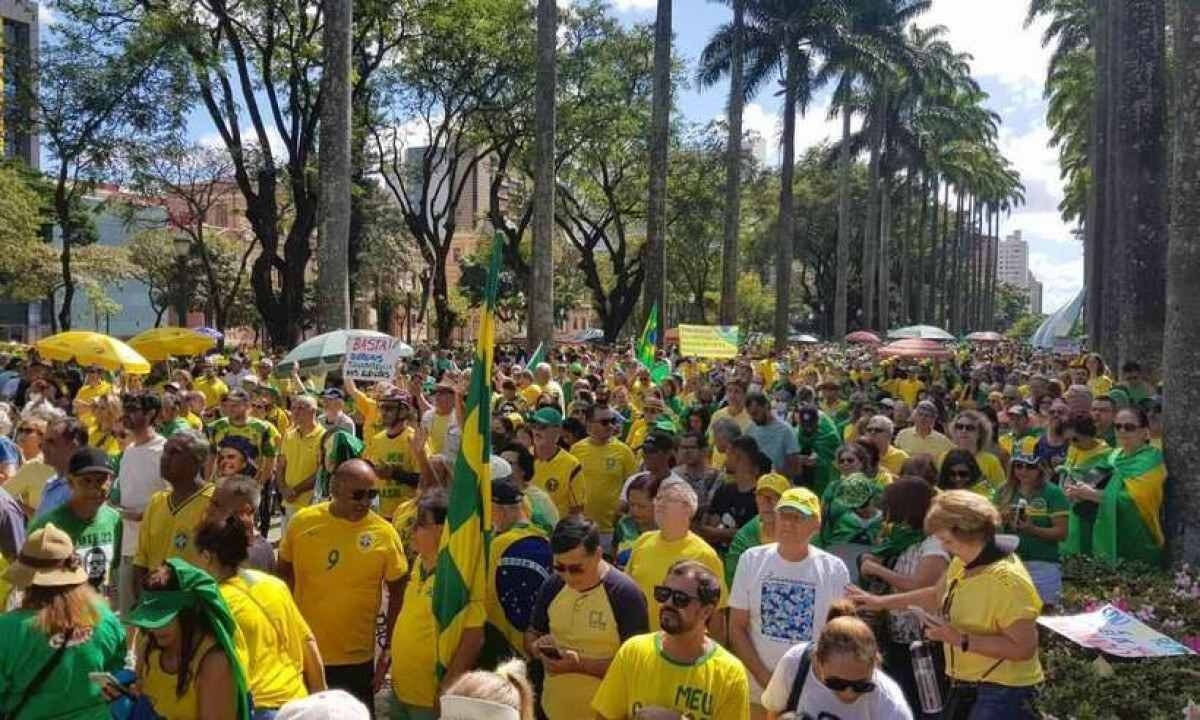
point(776, 440)
point(10, 454)
point(54, 496)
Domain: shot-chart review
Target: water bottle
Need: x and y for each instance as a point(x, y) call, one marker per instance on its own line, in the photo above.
point(928, 686)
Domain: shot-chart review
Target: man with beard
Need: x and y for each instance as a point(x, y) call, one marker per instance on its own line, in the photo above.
point(1051, 448)
point(678, 671)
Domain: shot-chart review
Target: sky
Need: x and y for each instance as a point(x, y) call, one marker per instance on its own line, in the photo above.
point(1009, 62)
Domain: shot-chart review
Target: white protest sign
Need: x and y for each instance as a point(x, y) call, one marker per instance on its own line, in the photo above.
point(1115, 632)
point(372, 357)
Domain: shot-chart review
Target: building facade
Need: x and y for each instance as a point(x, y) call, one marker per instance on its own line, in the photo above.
point(20, 20)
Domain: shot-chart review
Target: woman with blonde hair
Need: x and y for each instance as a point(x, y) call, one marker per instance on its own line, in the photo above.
point(105, 431)
point(62, 632)
point(972, 431)
point(501, 695)
point(986, 613)
point(837, 676)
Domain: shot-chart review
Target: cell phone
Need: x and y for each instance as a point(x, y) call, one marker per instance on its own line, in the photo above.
point(108, 679)
point(552, 652)
point(926, 616)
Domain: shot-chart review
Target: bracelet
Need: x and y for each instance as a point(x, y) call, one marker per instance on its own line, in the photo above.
point(965, 643)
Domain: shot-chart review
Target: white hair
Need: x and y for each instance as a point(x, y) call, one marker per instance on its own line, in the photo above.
point(886, 421)
point(679, 490)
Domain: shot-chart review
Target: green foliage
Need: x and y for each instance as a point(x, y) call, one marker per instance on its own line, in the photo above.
point(1012, 304)
point(1024, 327)
point(756, 304)
point(1141, 688)
point(22, 215)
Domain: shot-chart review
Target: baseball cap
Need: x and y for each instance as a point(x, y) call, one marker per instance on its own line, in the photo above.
point(333, 394)
point(802, 500)
point(396, 395)
point(157, 609)
point(659, 441)
point(506, 492)
point(773, 482)
point(237, 395)
point(926, 406)
point(43, 561)
point(501, 468)
point(90, 459)
point(458, 707)
point(1022, 457)
point(576, 368)
point(1019, 409)
point(548, 417)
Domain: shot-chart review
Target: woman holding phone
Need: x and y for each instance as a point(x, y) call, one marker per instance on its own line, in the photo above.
point(984, 610)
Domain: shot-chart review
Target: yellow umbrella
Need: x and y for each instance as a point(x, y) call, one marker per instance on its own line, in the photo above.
point(90, 348)
point(160, 343)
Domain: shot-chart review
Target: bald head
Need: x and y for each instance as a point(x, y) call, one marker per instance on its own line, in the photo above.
point(352, 489)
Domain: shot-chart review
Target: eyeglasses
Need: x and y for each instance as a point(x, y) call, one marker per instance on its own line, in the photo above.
point(838, 684)
point(678, 598)
point(964, 427)
point(569, 568)
point(360, 495)
point(28, 430)
point(1126, 427)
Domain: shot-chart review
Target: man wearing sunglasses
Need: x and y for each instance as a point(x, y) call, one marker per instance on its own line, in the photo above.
point(335, 556)
point(606, 463)
point(922, 438)
point(679, 671)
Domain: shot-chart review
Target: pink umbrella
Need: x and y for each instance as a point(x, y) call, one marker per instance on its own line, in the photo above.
point(863, 337)
point(916, 348)
point(986, 336)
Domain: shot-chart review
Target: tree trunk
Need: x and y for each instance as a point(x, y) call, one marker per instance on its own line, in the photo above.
point(333, 271)
point(906, 246)
point(1142, 175)
point(541, 291)
point(656, 210)
point(1109, 247)
point(932, 257)
point(842, 268)
point(733, 170)
point(787, 220)
point(919, 254)
point(885, 254)
point(1181, 349)
point(871, 235)
point(956, 267)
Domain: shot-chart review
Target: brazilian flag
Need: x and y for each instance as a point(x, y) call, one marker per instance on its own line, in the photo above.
point(538, 356)
point(646, 347)
point(460, 584)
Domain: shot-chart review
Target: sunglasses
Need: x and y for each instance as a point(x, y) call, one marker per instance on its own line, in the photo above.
point(569, 568)
point(28, 430)
point(838, 684)
point(963, 427)
point(1126, 427)
point(1024, 465)
point(368, 494)
point(678, 598)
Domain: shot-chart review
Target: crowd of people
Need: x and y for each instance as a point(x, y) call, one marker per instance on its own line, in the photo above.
point(812, 533)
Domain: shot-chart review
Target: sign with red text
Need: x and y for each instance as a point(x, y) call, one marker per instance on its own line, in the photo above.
point(373, 357)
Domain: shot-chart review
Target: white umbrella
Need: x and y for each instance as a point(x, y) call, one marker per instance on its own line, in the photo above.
point(921, 332)
point(803, 338)
point(324, 353)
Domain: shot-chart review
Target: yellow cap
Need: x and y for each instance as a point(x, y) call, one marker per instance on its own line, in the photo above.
point(801, 499)
point(774, 482)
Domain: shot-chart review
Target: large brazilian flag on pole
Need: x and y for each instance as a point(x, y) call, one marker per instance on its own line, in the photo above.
point(459, 588)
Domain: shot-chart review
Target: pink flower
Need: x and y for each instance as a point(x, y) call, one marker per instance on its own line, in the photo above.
point(1192, 642)
point(1121, 604)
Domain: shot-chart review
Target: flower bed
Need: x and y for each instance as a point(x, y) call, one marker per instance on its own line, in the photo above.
point(1085, 684)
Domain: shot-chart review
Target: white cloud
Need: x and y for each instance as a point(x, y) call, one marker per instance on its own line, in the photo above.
point(46, 16)
point(994, 32)
point(635, 5)
point(1033, 157)
point(249, 137)
point(812, 129)
point(1061, 279)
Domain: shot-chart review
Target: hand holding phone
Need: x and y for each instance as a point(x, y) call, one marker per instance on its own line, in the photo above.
point(109, 685)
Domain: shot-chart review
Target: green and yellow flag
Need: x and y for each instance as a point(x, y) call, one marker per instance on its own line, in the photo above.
point(649, 339)
point(538, 356)
point(460, 586)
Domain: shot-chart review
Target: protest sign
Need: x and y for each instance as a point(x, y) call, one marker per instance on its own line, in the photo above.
point(1114, 632)
point(372, 357)
point(709, 341)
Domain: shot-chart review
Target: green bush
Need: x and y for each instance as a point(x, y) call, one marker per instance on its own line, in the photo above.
point(1085, 684)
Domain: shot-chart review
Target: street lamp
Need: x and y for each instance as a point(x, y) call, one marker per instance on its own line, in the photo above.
point(182, 248)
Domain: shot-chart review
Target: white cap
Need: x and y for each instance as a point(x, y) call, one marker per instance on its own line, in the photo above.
point(500, 468)
point(455, 707)
point(327, 705)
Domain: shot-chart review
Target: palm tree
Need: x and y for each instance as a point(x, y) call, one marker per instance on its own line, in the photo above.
point(333, 270)
point(733, 165)
point(541, 309)
point(654, 291)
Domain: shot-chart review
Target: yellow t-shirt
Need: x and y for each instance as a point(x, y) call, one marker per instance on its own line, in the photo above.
point(439, 425)
point(907, 389)
point(414, 643)
point(88, 394)
point(194, 421)
point(302, 455)
point(385, 450)
point(160, 686)
point(652, 557)
point(368, 407)
point(530, 394)
point(561, 478)
point(990, 466)
point(168, 530)
point(29, 482)
point(1100, 386)
point(604, 470)
point(994, 598)
point(105, 440)
point(893, 460)
point(338, 568)
point(404, 520)
point(212, 390)
point(275, 634)
point(714, 687)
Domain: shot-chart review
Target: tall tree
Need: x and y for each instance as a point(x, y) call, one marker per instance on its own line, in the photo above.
point(1181, 349)
point(333, 278)
point(655, 284)
point(541, 293)
point(733, 167)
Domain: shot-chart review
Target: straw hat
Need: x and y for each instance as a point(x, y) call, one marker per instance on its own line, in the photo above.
point(47, 559)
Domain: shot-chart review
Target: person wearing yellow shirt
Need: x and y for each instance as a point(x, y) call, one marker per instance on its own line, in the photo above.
point(335, 558)
point(990, 604)
point(555, 470)
point(527, 389)
point(209, 385)
point(265, 406)
point(606, 464)
point(972, 432)
point(368, 408)
point(678, 671)
point(441, 422)
point(655, 551)
point(168, 524)
point(922, 438)
point(904, 387)
point(519, 561)
point(282, 660)
point(390, 451)
point(300, 457)
point(879, 430)
point(414, 639)
point(94, 386)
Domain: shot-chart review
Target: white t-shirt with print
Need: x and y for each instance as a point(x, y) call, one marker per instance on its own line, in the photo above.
point(885, 702)
point(787, 601)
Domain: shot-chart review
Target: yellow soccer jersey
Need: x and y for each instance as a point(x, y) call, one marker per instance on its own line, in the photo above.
point(275, 633)
point(339, 567)
point(561, 478)
point(652, 557)
point(168, 530)
point(302, 455)
point(212, 390)
point(385, 451)
point(414, 643)
point(605, 468)
point(714, 687)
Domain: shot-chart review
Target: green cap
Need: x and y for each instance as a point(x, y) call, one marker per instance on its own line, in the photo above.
point(856, 491)
point(547, 416)
point(157, 609)
point(802, 500)
point(576, 368)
